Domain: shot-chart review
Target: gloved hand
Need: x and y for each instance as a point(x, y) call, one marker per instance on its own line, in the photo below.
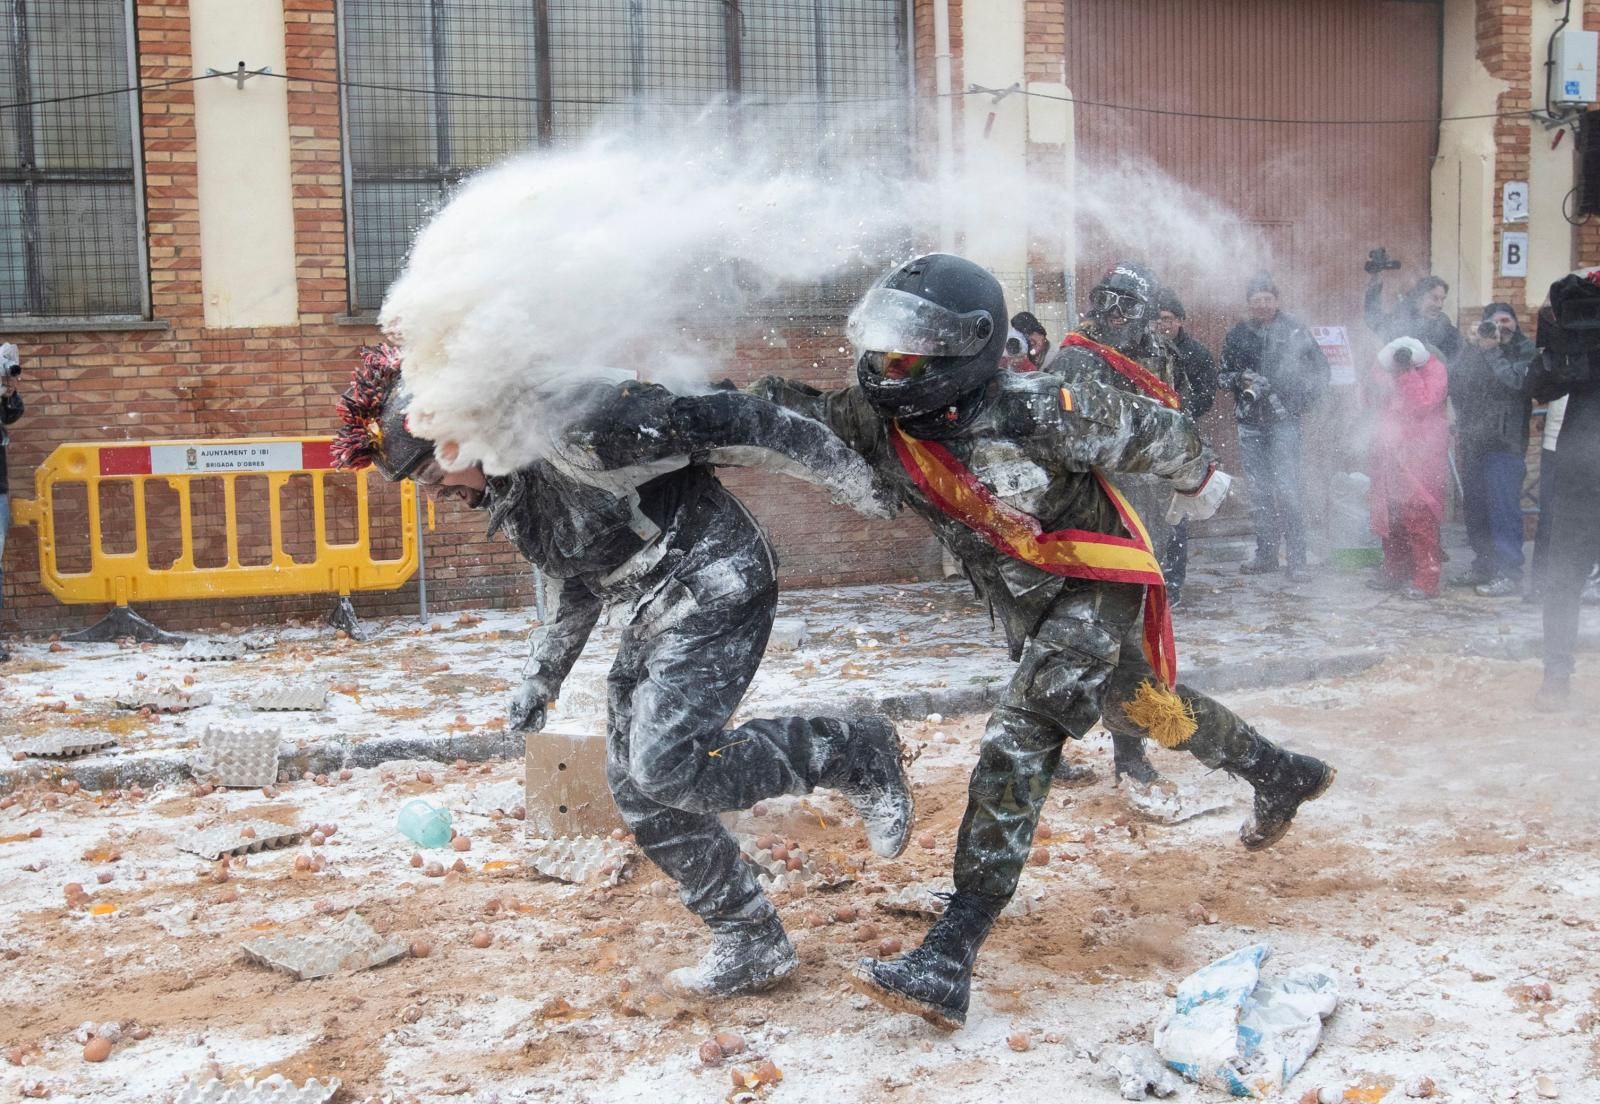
point(528, 705)
point(1201, 502)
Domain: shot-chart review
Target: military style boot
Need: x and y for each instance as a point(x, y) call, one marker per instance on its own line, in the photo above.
point(1283, 781)
point(935, 980)
point(868, 771)
point(749, 953)
point(1129, 758)
point(1072, 773)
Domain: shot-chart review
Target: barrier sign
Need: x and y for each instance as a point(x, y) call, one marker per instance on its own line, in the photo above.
point(198, 459)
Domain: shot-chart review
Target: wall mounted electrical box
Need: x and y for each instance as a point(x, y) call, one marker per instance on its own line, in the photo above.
point(1572, 80)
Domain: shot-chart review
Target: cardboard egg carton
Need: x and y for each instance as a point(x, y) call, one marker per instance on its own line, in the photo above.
point(925, 899)
point(65, 745)
point(577, 859)
point(237, 757)
point(349, 946)
point(210, 651)
point(276, 1089)
point(504, 797)
point(291, 697)
point(775, 875)
point(229, 839)
point(165, 699)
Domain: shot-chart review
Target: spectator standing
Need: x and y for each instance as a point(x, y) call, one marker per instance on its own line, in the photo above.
point(1196, 383)
point(1419, 313)
point(10, 411)
point(1569, 365)
point(1276, 373)
point(1489, 389)
point(1408, 466)
point(1554, 412)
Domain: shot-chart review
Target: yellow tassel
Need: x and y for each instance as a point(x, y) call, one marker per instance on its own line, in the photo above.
point(1165, 716)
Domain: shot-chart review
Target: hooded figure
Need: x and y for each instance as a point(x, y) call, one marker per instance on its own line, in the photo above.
point(1012, 472)
point(1408, 465)
point(626, 512)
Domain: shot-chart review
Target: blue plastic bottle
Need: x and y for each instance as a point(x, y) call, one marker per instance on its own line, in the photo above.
point(424, 823)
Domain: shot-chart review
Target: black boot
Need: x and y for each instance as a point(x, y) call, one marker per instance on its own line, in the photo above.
point(1070, 772)
point(1128, 758)
point(1283, 781)
point(1260, 565)
point(1555, 694)
point(935, 980)
point(868, 771)
point(749, 953)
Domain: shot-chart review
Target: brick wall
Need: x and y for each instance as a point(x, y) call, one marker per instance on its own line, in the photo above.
point(190, 381)
point(1505, 48)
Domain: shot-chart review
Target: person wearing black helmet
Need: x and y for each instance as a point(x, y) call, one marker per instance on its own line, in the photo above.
point(1010, 471)
point(624, 509)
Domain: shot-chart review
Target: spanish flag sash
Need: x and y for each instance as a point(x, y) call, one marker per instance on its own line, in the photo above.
point(1070, 553)
point(1147, 381)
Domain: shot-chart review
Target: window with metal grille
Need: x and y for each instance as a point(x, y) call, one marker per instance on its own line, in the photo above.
point(494, 77)
point(71, 222)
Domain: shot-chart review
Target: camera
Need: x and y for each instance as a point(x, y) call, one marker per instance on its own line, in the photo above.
point(10, 363)
point(1378, 260)
point(1015, 346)
point(1487, 328)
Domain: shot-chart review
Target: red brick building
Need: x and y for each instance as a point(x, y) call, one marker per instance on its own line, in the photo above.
point(198, 259)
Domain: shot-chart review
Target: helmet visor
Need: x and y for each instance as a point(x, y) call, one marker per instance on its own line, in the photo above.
point(1104, 301)
point(890, 321)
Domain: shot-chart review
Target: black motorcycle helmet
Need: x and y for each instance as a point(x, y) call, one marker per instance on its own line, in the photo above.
point(372, 415)
point(1122, 304)
point(928, 337)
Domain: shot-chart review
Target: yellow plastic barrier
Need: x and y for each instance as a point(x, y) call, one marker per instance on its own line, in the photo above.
point(121, 578)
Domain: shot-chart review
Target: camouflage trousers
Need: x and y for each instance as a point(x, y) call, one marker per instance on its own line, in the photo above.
point(1082, 664)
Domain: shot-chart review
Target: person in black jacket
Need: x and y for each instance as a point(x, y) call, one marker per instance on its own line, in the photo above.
point(1419, 313)
point(1197, 388)
point(624, 509)
point(1276, 372)
point(1569, 364)
point(1489, 390)
point(10, 411)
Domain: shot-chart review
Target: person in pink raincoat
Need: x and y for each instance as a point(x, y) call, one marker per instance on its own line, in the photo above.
point(1408, 465)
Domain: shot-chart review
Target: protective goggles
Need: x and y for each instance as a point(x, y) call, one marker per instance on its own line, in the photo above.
point(1104, 301)
point(896, 366)
point(893, 321)
point(429, 474)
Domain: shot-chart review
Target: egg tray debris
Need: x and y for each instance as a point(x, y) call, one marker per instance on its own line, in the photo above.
point(229, 839)
point(577, 859)
point(349, 946)
point(241, 758)
point(924, 899)
point(64, 746)
point(774, 873)
point(166, 699)
point(276, 1089)
point(287, 698)
point(502, 797)
point(210, 651)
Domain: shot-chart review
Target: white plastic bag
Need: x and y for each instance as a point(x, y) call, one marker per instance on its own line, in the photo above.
point(1230, 1030)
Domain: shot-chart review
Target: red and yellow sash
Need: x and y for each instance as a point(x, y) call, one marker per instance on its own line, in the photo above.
point(1147, 381)
point(1070, 553)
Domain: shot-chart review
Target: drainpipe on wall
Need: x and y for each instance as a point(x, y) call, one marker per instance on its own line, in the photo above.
point(946, 122)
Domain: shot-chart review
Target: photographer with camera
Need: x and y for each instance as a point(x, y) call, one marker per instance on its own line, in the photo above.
point(10, 411)
point(1419, 313)
point(1408, 466)
point(1276, 373)
point(1489, 390)
point(1569, 365)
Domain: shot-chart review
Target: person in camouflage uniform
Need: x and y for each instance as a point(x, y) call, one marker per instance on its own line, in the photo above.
point(625, 511)
point(1005, 469)
point(1121, 306)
